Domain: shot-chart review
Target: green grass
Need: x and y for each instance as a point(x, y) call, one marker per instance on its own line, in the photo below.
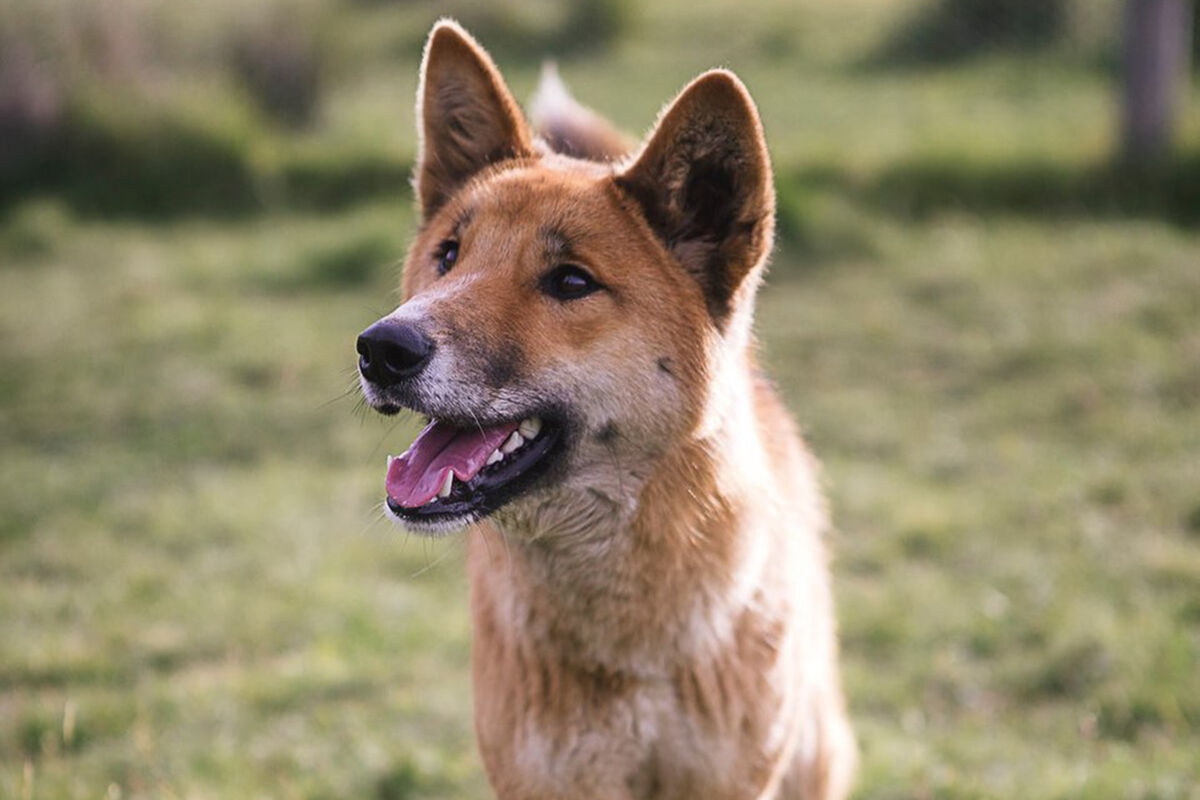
point(199, 598)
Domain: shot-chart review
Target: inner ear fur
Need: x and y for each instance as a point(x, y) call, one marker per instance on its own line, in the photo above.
point(703, 182)
point(467, 118)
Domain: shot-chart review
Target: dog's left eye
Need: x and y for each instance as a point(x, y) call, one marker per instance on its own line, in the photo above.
point(447, 254)
point(568, 282)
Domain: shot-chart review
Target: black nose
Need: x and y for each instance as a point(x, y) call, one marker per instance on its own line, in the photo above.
point(390, 352)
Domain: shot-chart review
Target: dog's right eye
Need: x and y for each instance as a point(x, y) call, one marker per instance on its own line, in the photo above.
point(446, 254)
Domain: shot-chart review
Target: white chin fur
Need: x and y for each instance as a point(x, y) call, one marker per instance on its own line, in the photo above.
point(433, 529)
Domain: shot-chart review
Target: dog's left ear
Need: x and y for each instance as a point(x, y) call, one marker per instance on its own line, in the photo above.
point(703, 181)
point(467, 118)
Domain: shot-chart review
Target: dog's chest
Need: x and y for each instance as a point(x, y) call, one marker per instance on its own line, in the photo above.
point(613, 736)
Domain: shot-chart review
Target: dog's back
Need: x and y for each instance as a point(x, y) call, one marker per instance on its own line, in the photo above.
point(571, 128)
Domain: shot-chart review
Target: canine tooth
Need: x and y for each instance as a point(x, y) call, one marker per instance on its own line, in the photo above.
point(512, 443)
point(495, 457)
point(447, 485)
point(530, 428)
point(390, 460)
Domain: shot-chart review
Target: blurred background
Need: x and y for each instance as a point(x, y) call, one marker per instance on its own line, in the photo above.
point(984, 309)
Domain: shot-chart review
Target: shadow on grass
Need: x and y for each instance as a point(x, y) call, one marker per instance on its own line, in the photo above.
point(950, 31)
point(160, 166)
point(922, 188)
point(517, 31)
point(353, 263)
point(164, 166)
point(195, 178)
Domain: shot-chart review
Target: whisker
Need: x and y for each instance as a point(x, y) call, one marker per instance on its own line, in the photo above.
point(351, 389)
point(477, 424)
point(612, 451)
point(504, 541)
point(488, 531)
point(486, 545)
point(391, 429)
point(380, 517)
point(445, 554)
point(361, 410)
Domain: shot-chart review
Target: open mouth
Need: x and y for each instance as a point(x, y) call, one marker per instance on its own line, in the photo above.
point(452, 475)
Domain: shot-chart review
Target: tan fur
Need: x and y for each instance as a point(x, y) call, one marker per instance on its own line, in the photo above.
point(656, 620)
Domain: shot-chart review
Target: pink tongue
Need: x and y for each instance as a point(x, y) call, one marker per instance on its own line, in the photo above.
point(414, 478)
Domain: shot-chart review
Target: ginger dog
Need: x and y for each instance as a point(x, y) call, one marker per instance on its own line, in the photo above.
point(649, 588)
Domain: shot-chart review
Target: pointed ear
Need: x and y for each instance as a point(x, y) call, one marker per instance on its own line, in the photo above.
point(703, 181)
point(466, 117)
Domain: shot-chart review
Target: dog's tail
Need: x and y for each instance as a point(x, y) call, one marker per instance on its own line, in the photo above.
point(571, 128)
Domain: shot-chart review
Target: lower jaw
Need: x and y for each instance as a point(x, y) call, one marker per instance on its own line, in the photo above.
point(431, 524)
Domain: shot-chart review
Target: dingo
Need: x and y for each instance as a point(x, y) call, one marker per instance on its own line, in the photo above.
point(654, 617)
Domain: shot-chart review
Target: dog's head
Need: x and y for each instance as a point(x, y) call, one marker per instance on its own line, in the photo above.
point(566, 321)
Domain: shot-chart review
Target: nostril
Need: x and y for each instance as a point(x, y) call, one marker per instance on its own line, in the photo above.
point(400, 360)
point(366, 365)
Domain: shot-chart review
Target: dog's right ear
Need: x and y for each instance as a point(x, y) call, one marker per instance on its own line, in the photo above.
point(466, 117)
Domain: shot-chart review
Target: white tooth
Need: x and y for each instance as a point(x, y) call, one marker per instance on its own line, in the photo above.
point(512, 443)
point(530, 428)
point(495, 457)
point(447, 485)
point(390, 460)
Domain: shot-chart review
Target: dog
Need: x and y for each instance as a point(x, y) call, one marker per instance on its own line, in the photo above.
point(649, 588)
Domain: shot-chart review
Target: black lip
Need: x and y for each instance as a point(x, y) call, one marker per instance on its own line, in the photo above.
point(494, 486)
point(391, 400)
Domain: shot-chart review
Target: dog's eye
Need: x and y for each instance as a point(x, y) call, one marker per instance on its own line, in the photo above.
point(568, 282)
point(447, 254)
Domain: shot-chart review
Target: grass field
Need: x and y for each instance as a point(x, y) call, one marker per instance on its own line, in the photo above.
point(198, 597)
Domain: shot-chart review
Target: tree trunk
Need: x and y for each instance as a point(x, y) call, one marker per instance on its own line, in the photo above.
point(1156, 55)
